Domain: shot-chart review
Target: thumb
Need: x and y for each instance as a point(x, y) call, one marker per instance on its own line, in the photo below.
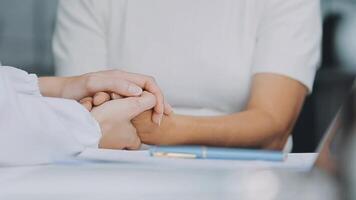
point(137, 105)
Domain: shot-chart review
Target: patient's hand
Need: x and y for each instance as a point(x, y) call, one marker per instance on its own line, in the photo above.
point(151, 133)
point(115, 117)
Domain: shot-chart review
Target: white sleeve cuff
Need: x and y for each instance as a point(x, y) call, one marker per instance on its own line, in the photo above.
point(78, 121)
point(21, 81)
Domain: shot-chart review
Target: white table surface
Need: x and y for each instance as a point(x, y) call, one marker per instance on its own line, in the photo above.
point(119, 176)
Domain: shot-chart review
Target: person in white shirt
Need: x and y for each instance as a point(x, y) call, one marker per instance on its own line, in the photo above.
point(236, 72)
point(41, 121)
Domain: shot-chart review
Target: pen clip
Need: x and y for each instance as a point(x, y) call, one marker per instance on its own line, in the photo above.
point(174, 155)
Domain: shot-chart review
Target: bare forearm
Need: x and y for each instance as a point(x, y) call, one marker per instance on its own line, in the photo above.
point(251, 128)
point(51, 86)
point(268, 119)
point(74, 87)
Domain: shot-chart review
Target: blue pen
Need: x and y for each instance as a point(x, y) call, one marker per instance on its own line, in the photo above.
point(203, 152)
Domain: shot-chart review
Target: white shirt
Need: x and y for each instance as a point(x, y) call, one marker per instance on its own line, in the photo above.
point(203, 53)
point(36, 129)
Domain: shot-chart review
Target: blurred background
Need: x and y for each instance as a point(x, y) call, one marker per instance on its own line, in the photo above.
point(26, 29)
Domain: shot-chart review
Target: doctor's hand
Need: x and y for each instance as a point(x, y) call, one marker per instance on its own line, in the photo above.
point(115, 117)
point(85, 87)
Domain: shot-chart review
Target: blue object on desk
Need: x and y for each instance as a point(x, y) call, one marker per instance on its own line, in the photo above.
point(203, 152)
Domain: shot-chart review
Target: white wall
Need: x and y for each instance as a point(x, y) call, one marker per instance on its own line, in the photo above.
point(26, 28)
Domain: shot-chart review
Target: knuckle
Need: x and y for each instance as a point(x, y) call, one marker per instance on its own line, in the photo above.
point(120, 85)
point(134, 103)
point(151, 79)
point(151, 98)
point(138, 102)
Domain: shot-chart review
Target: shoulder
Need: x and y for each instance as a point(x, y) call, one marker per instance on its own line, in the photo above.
point(291, 6)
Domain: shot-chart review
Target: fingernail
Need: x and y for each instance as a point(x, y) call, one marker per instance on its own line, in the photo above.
point(135, 90)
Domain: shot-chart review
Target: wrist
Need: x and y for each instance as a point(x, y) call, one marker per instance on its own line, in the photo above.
point(172, 129)
point(72, 87)
point(101, 120)
point(103, 126)
point(187, 129)
point(51, 86)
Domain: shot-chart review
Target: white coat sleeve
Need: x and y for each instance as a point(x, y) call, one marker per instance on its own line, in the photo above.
point(79, 41)
point(40, 130)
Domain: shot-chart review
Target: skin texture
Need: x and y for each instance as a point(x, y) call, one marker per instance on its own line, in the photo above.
point(268, 119)
point(115, 118)
point(98, 84)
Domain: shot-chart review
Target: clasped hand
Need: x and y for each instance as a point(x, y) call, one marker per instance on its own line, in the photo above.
point(114, 98)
